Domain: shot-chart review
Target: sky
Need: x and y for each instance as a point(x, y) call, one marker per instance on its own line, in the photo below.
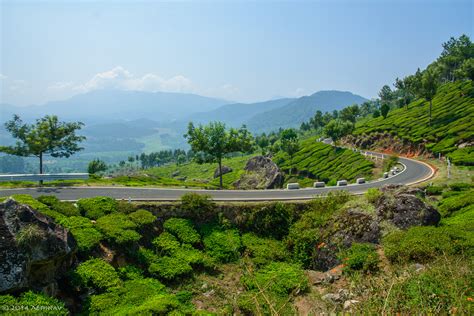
point(235, 50)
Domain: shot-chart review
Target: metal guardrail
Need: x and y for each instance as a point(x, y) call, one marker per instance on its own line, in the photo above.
point(44, 177)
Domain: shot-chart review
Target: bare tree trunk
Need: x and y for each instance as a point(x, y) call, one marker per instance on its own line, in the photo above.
point(220, 174)
point(41, 167)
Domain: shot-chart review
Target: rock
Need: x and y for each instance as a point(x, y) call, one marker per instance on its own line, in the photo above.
point(40, 262)
point(175, 173)
point(336, 298)
point(225, 170)
point(418, 267)
point(349, 303)
point(404, 208)
point(262, 173)
point(346, 228)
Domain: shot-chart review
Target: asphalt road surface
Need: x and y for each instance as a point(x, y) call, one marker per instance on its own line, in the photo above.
point(413, 172)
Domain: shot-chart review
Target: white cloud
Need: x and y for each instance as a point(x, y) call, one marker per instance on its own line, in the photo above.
point(299, 92)
point(60, 85)
point(122, 79)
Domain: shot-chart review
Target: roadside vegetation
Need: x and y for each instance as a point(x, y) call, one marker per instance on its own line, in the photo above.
point(205, 258)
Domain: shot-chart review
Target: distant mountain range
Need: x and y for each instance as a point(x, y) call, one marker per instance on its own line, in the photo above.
point(302, 109)
point(132, 121)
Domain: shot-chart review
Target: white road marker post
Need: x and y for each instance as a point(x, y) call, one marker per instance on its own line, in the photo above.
point(449, 168)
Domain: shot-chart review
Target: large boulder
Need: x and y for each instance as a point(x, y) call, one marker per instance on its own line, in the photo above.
point(403, 207)
point(261, 173)
point(224, 170)
point(34, 251)
point(398, 206)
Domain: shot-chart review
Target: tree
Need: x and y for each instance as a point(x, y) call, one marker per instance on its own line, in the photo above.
point(212, 142)
point(48, 136)
point(317, 120)
point(384, 109)
point(336, 129)
point(289, 144)
point(429, 87)
point(262, 142)
point(350, 113)
point(180, 159)
point(376, 114)
point(466, 71)
point(96, 166)
point(386, 94)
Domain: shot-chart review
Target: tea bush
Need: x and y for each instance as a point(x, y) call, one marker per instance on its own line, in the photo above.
point(118, 228)
point(142, 217)
point(195, 205)
point(360, 257)
point(31, 303)
point(97, 207)
point(224, 246)
point(170, 267)
point(49, 200)
point(98, 274)
point(264, 250)
point(183, 229)
point(87, 237)
point(166, 243)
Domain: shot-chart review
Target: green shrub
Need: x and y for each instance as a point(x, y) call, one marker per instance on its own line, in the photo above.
point(264, 250)
point(97, 273)
point(166, 243)
point(196, 205)
point(126, 207)
point(130, 272)
point(40, 207)
point(118, 228)
point(194, 257)
point(31, 303)
point(461, 186)
point(389, 162)
point(146, 256)
point(81, 228)
point(29, 235)
point(138, 297)
point(97, 207)
point(434, 190)
point(423, 244)
point(272, 220)
point(66, 208)
point(373, 194)
point(49, 200)
point(223, 246)
point(454, 203)
point(360, 257)
point(183, 229)
point(278, 277)
point(142, 217)
point(170, 268)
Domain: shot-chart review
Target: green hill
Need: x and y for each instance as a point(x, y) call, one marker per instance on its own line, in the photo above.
point(451, 132)
point(317, 160)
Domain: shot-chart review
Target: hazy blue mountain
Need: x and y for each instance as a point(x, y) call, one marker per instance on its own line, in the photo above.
point(238, 113)
point(109, 105)
point(301, 109)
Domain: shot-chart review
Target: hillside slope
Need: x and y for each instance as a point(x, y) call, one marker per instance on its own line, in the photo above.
point(320, 161)
point(301, 109)
point(451, 132)
point(237, 113)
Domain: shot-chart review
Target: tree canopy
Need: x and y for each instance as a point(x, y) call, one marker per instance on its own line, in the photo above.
point(212, 142)
point(48, 136)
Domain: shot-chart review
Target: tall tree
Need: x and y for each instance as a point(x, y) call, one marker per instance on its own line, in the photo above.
point(336, 129)
point(350, 113)
point(212, 142)
point(386, 94)
point(48, 136)
point(289, 144)
point(429, 87)
point(384, 109)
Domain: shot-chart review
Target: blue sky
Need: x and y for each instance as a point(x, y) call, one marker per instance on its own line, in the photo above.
point(243, 51)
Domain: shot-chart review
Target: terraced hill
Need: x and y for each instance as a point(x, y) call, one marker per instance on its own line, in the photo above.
point(317, 160)
point(451, 132)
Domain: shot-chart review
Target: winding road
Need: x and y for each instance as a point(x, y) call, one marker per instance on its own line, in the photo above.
point(414, 172)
